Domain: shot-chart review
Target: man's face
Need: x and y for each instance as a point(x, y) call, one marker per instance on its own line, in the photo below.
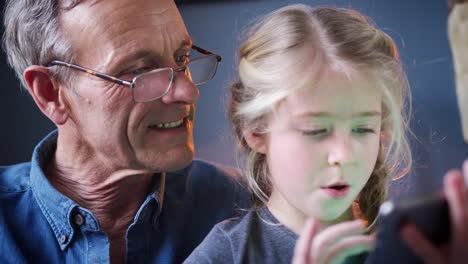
point(124, 38)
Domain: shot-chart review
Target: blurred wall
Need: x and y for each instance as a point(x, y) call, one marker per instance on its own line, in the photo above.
point(418, 26)
point(22, 125)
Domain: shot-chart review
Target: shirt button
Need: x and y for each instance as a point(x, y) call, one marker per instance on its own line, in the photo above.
point(78, 218)
point(63, 239)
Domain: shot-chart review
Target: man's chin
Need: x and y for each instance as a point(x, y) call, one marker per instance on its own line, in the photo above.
point(171, 161)
point(180, 163)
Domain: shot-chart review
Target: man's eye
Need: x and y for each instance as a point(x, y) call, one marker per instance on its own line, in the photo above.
point(132, 73)
point(140, 70)
point(182, 60)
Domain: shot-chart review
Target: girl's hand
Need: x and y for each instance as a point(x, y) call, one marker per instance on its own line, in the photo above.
point(456, 194)
point(333, 244)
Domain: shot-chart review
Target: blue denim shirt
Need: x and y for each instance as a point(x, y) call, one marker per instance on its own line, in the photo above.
point(38, 224)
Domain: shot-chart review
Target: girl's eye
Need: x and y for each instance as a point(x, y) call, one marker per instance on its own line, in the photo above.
point(363, 130)
point(182, 60)
point(315, 132)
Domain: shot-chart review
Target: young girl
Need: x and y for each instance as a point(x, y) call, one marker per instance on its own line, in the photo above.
point(319, 113)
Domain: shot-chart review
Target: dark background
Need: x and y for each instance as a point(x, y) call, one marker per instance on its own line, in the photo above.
point(418, 26)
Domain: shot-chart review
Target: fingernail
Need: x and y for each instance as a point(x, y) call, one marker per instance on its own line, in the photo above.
point(364, 222)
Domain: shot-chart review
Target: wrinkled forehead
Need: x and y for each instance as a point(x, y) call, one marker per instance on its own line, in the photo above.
point(122, 25)
point(70, 4)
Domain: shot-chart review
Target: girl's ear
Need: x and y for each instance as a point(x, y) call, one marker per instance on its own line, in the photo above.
point(256, 141)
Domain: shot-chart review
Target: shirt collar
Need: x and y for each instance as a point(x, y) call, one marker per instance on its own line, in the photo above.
point(59, 209)
point(56, 207)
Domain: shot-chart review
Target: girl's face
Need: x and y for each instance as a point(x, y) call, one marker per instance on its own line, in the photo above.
point(322, 146)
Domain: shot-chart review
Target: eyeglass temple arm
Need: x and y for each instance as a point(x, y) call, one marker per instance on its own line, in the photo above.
point(89, 71)
point(206, 52)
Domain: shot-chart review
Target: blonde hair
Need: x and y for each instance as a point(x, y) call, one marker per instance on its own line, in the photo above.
point(342, 40)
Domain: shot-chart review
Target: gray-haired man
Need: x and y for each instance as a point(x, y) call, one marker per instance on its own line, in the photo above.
point(118, 80)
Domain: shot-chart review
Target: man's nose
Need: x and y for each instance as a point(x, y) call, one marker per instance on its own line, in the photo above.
point(341, 151)
point(182, 90)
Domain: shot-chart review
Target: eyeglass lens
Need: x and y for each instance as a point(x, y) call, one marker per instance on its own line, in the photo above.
point(203, 69)
point(156, 83)
point(153, 84)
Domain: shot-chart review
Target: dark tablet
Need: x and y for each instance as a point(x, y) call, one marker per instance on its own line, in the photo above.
point(429, 214)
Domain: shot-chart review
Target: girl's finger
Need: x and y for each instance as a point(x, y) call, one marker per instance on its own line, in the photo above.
point(340, 230)
point(304, 243)
point(331, 235)
point(349, 246)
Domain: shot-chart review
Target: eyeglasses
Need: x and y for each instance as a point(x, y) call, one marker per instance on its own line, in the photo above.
point(155, 84)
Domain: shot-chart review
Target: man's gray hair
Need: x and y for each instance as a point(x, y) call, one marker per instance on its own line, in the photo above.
point(33, 36)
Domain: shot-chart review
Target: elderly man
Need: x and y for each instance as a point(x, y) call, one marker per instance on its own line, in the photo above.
point(118, 79)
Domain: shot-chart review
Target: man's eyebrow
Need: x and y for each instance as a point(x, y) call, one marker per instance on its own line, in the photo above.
point(125, 61)
point(187, 43)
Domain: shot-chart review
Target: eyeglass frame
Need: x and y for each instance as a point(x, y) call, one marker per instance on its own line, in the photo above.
point(131, 84)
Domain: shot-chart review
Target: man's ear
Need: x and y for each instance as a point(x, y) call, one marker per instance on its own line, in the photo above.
point(46, 93)
point(256, 141)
